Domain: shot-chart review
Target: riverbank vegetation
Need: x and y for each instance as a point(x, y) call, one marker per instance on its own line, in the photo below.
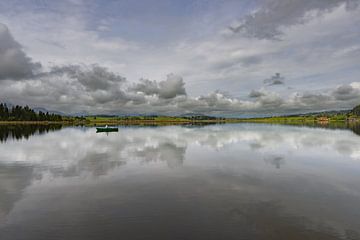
point(331, 117)
point(26, 115)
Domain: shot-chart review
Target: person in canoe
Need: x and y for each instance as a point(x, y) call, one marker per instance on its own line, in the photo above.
point(106, 129)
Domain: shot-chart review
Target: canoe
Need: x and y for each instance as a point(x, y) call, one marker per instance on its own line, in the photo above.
point(107, 129)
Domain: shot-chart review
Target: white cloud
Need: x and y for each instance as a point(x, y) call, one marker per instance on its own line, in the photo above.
point(170, 88)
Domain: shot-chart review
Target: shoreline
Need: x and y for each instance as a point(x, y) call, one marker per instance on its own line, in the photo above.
point(114, 122)
point(303, 121)
point(354, 126)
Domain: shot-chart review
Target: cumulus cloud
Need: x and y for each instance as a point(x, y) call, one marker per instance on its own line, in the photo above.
point(308, 98)
point(173, 86)
point(267, 21)
point(92, 77)
point(346, 92)
point(14, 63)
point(275, 80)
point(311, 101)
point(95, 84)
point(265, 102)
point(72, 89)
point(256, 94)
point(67, 91)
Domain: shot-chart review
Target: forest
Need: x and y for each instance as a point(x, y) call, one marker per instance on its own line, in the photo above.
point(20, 113)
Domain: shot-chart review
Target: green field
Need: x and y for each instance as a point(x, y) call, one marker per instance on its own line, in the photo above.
point(25, 115)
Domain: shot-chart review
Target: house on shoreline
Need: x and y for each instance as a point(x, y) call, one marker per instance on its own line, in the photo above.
point(323, 119)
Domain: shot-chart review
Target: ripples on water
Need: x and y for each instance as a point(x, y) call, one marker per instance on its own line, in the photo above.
point(240, 181)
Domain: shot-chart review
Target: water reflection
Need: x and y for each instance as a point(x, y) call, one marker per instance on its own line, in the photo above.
point(352, 126)
point(276, 161)
point(172, 154)
point(13, 179)
point(19, 131)
point(241, 181)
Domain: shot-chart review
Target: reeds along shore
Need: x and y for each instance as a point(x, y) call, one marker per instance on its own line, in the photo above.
point(26, 115)
point(176, 120)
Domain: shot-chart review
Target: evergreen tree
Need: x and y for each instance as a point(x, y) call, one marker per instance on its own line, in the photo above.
point(19, 113)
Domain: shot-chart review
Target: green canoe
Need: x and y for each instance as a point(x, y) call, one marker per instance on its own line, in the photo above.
point(107, 129)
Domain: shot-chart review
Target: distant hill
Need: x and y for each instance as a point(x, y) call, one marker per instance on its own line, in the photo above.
point(77, 114)
point(322, 113)
point(192, 115)
point(102, 115)
point(37, 109)
point(356, 110)
point(44, 110)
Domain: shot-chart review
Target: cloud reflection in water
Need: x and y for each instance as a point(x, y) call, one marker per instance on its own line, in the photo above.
point(228, 172)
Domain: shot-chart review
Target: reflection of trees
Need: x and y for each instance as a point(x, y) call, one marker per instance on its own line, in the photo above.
point(19, 131)
point(355, 128)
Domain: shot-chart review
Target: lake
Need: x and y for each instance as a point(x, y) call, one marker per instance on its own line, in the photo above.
point(231, 181)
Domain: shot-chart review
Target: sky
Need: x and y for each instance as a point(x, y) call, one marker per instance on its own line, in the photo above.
point(172, 57)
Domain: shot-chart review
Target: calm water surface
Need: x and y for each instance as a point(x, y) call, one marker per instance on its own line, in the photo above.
point(241, 181)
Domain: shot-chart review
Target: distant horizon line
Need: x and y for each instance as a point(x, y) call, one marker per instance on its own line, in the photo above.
point(232, 115)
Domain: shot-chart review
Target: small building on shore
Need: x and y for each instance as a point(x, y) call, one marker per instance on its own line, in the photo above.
point(352, 119)
point(323, 119)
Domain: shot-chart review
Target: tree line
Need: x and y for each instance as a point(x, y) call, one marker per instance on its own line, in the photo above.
point(20, 113)
point(356, 110)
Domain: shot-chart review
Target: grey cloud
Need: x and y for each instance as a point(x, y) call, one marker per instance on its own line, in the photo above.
point(14, 63)
point(309, 101)
point(73, 88)
point(173, 86)
point(147, 87)
point(346, 92)
point(275, 80)
point(67, 94)
point(93, 77)
point(213, 103)
point(52, 43)
point(256, 94)
point(251, 60)
point(265, 23)
point(235, 62)
point(271, 102)
point(312, 98)
point(217, 101)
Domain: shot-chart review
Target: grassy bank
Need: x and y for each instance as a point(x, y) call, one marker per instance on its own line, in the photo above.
point(121, 121)
point(304, 119)
point(168, 120)
point(158, 120)
point(41, 122)
point(334, 122)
